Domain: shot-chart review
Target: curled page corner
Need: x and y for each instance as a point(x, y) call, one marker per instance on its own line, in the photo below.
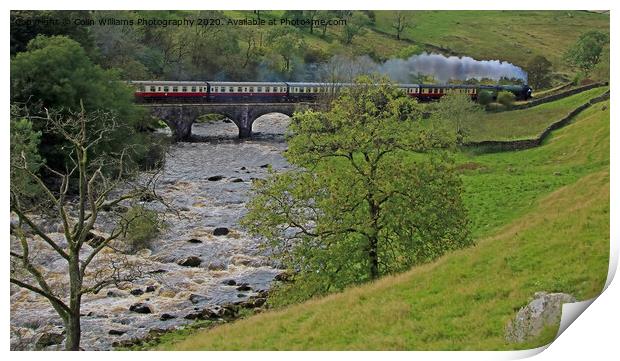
point(570, 312)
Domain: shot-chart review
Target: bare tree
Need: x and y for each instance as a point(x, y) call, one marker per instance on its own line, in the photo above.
point(401, 22)
point(77, 214)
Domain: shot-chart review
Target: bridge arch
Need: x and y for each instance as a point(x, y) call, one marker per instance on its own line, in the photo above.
point(180, 117)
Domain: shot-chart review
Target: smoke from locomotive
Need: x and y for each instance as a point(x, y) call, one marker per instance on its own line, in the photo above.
point(444, 68)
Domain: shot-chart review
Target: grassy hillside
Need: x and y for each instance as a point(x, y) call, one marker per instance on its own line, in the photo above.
point(526, 123)
point(542, 217)
point(514, 36)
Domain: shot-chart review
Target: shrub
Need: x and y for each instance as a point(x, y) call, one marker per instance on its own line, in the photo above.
point(496, 107)
point(142, 226)
point(485, 97)
point(506, 98)
point(24, 144)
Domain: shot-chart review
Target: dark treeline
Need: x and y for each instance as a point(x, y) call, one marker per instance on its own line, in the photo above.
point(185, 52)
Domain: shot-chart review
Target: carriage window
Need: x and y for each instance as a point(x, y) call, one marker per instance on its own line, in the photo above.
point(239, 89)
point(165, 89)
point(183, 89)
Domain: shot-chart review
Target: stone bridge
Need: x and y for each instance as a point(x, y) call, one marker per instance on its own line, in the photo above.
point(180, 117)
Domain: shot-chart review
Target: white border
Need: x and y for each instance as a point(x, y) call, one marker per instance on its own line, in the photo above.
point(593, 335)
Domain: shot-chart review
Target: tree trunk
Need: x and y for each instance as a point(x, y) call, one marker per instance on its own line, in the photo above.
point(373, 239)
point(374, 259)
point(72, 325)
point(73, 331)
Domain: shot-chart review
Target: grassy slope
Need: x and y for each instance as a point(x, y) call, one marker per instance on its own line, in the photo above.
point(465, 299)
point(515, 36)
point(527, 123)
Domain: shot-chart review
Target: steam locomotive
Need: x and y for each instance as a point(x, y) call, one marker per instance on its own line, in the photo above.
point(266, 92)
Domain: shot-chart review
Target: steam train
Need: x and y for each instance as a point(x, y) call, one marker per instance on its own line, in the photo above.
point(266, 92)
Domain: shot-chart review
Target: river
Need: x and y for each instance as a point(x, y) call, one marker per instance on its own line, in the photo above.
point(209, 183)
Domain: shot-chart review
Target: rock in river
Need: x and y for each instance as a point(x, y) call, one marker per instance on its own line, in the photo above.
point(220, 231)
point(191, 261)
point(136, 292)
point(140, 308)
point(49, 339)
point(166, 317)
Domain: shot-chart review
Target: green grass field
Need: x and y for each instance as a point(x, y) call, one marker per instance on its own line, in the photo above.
point(541, 218)
point(514, 36)
point(526, 123)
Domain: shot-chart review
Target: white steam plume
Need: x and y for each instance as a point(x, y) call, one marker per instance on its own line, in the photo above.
point(445, 68)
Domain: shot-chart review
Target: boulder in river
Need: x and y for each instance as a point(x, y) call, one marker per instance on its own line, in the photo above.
point(166, 317)
point(116, 332)
point(229, 282)
point(543, 311)
point(194, 240)
point(191, 261)
point(116, 293)
point(221, 231)
point(136, 292)
point(215, 178)
point(244, 287)
point(194, 298)
point(49, 339)
point(140, 308)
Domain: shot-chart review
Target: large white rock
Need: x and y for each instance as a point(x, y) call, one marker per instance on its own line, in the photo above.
point(544, 310)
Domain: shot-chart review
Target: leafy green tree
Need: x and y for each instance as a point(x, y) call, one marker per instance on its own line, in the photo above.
point(28, 24)
point(400, 22)
point(56, 73)
point(355, 26)
point(539, 72)
point(287, 43)
point(459, 111)
point(325, 16)
point(374, 192)
point(587, 51)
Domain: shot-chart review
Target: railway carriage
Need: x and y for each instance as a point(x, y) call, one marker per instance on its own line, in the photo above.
point(240, 92)
point(274, 92)
point(171, 91)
